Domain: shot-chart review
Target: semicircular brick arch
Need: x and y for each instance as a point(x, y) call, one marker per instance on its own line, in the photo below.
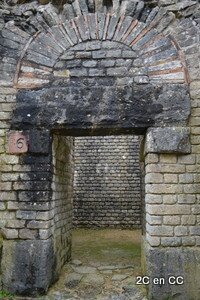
point(152, 49)
point(140, 24)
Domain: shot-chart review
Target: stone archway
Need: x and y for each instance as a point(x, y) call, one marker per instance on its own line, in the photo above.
point(66, 76)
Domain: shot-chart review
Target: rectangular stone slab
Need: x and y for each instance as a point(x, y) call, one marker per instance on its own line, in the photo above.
point(100, 104)
point(168, 140)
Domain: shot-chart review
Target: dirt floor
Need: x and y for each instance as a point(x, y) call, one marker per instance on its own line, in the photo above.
point(109, 246)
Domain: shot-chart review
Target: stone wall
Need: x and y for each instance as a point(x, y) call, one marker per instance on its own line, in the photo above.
point(172, 186)
point(62, 196)
point(107, 190)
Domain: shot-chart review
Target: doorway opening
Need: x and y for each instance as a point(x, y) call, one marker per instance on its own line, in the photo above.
point(101, 210)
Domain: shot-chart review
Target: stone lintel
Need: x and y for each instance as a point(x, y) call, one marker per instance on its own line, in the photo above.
point(168, 140)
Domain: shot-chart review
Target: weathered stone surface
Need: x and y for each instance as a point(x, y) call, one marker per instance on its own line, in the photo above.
point(118, 277)
point(163, 263)
point(73, 280)
point(114, 267)
point(76, 262)
point(132, 292)
point(29, 266)
point(121, 108)
point(10, 233)
point(39, 141)
point(168, 140)
point(94, 279)
point(84, 269)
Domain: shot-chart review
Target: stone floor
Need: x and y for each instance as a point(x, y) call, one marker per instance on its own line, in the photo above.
point(96, 281)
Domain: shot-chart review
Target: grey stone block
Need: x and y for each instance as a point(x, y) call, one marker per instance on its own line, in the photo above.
point(108, 62)
point(93, 45)
point(68, 12)
point(39, 141)
point(112, 26)
point(83, 6)
point(75, 63)
point(76, 72)
point(83, 54)
point(118, 71)
point(164, 263)
point(141, 79)
point(96, 72)
point(168, 140)
point(137, 106)
point(101, 21)
point(28, 266)
point(89, 63)
point(99, 54)
point(114, 53)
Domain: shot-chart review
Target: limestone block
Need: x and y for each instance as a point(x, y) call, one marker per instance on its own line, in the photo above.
point(163, 188)
point(171, 220)
point(188, 241)
point(153, 199)
point(27, 234)
point(9, 159)
point(170, 178)
point(162, 210)
point(154, 241)
point(170, 241)
point(195, 230)
point(188, 220)
point(9, 233)
point(181, 231)
point(187, 199)
point(160, 230)
point(169, 199)
point(168, 158)
point(151, 158)
point(15, 224)
point(168, 140)
point(154, 220)
point(153, 178)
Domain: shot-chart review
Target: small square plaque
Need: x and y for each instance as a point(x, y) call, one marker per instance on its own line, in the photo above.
point(16, 142)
